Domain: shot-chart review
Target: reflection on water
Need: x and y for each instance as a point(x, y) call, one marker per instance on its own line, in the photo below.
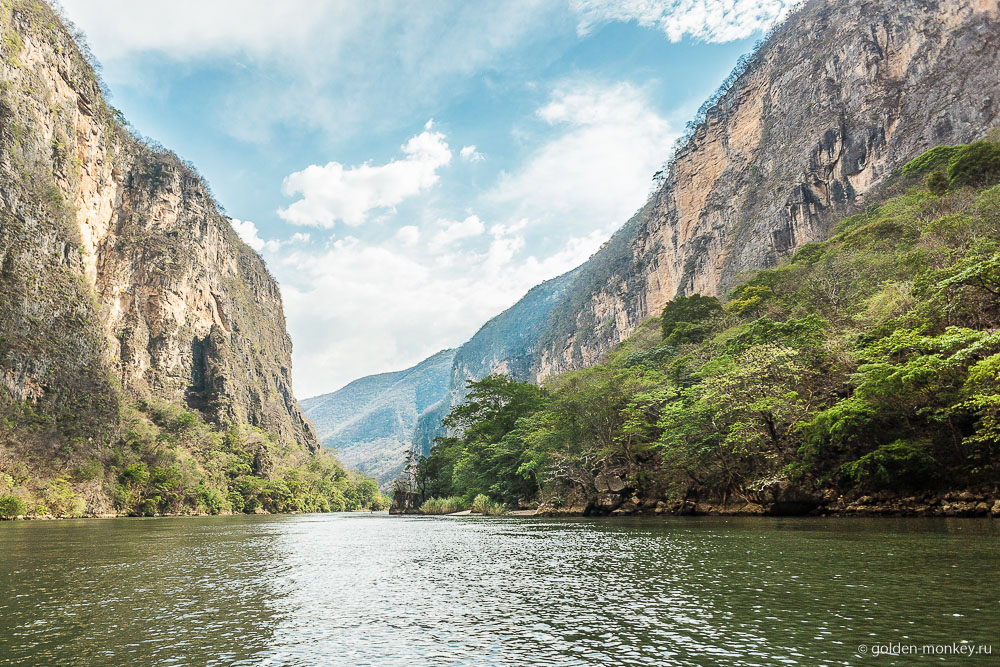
point(364, 589)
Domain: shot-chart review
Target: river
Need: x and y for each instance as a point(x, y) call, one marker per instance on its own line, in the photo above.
point(357, 589)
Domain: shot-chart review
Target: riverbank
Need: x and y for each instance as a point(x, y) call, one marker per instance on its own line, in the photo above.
point(191, 515)
point(948, 504)
point(951, 504)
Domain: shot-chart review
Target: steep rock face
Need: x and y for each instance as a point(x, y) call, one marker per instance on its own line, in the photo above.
point(119, 268)
point(371, 421)
point(506, 344)
point(840, 95)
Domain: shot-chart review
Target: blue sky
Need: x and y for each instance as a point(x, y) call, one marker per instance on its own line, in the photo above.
point(410, 169)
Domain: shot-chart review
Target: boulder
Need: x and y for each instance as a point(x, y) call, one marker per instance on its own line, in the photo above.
point(608, 482)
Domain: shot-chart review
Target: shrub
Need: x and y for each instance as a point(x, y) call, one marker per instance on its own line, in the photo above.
point(276, 496)
point(900, 464)
point(937, 183)
point(211, 499)
point(184, 421)
point(977, 163)
point(136, 474)
point(237, 501)
point(936, 159)
point(12, 506)
point(90, 470)
point(448, 505)
point(431, 506)
point(122, 498)
point(250, 488)
point(61, 499)
point(688, 311)
point(494, 509)
point(479, 503)
point(686, 332)
point(749, 299)
point(149, 506)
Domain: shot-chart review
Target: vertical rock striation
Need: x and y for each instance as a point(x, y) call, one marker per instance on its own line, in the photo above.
point(839, 96)
point(120, 274)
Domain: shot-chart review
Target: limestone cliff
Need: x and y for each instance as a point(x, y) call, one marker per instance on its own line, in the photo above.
point(839, 96)
point(120, 274)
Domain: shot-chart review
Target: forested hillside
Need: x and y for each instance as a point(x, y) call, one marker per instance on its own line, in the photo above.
point(862, 374)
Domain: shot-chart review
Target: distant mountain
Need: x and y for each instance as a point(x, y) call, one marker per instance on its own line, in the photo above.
point(371, 421)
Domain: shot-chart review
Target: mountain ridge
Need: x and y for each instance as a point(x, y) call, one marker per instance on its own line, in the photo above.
point(369, 422)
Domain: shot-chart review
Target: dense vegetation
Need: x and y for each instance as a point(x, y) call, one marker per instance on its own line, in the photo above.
point(161, 459)
point(868, 362)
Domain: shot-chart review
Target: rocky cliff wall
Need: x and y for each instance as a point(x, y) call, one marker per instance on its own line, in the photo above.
point(119, 270)
point(840, 95)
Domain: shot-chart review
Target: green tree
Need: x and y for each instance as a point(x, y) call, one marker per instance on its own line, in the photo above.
point(481, 459)
point(684, 319)
point(12, 506)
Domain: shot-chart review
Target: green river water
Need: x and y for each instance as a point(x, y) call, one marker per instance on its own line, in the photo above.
point(358, 589)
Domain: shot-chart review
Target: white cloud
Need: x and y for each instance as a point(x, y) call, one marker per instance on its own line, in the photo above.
point(596, 170)
point(388, 304)
point(705, 20)
point(470, 154)
point(455, 230)
point(247, 231)
point(250, 235)
point(356, 307)
point(333, 192)
point(311, 64)
point(408, 234)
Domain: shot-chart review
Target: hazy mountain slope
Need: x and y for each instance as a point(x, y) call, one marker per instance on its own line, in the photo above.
point(505, 344)
point(370, 422)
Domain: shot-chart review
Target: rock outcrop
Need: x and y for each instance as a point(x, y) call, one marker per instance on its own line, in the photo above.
point(120, 275)
point(784, 502)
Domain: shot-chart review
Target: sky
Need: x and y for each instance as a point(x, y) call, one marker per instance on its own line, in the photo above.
point(408, 170)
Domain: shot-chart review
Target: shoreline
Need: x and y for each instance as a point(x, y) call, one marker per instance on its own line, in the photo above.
point(185, 515)
point(952, 504)
point(885, 513)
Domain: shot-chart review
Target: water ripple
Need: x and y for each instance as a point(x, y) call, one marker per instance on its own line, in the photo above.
point(360, 589)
